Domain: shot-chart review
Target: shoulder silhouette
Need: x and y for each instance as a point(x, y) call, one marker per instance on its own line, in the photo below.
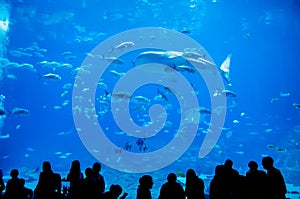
point(255, 182)
point(76, 178)
point(194, 186)
point(171, 189)
point(49, 183)
point(99, 180)
point(275, 181)
point(15, 187)
point(218, 188)
point(145, 184)
point(114, 193)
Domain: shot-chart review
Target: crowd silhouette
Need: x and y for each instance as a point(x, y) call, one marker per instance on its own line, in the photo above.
point(226, 183)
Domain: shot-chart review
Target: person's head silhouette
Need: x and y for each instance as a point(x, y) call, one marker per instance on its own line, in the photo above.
point(267, 162)
point(172, 177)
point(46, 166)
point(14, 173)
point(252, 166)
point(146, 181)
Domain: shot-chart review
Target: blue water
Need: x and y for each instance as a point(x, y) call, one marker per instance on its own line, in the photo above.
point(263, 37)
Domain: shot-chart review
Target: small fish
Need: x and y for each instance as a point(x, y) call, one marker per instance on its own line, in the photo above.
point(56, 107)
point(185, 68)
point(20, 111)
point(67, 86)
point(240, 152)
point(11, 65)
point(117, 74)
point(71, 57)
point(67, 53)
point(125, 44)
point(64, 93)
point(204, 110)
point(228, 134)
point(281, 150)
point(273, 100)
point(102, 85)
point(29, 149)
point(51, 76)
point(85, 89)
point(194, 55)
point(180, 174)
point(268, 130)
point(27, 66)
point(162, 94)
point(11, 76)
point(142, 99)
point(4, 136)
point(95, 151)
point(18, 126)
point(225, 68)
point(228, 93)
point(121, 95)
point(114, 60)
point(271, 146)
point(63, 157)
point(185, 31)
point(235, 122)
point(284, 94)
point(277, 148)
point(296, 105)
point(225, 92)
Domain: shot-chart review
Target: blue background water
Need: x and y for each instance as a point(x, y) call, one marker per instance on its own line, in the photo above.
point(263, 37)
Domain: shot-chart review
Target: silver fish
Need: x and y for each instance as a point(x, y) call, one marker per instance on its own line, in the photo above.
point(51, 76)
point(20, 111)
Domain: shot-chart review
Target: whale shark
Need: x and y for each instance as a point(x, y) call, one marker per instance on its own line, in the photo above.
point(182, 61)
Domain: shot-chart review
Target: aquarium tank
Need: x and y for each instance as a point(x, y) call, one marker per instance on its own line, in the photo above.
point(149, 87)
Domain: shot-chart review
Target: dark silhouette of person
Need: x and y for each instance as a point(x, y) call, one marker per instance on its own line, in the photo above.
point(27, 193)
point(2, 185)
point(231, 178)
point(145, 184)
point(89, 185)
point(114, 192)
point(228, 165)
point(275, 181)
point(255, 182)
point(49, 183)
point(240, 188)
point(14, 186)
point(194, 186)
point(171, 189)
point(75, 177)
point(218, 188)
point(99, 179)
